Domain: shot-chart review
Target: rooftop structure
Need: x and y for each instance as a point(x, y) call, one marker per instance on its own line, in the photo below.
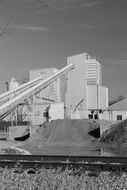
point(93, 71)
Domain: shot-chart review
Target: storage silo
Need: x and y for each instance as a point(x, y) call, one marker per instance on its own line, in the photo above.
point(12, 84)
point(76, 96)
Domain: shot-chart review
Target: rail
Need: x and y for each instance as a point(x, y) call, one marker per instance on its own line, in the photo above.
point(88, 162)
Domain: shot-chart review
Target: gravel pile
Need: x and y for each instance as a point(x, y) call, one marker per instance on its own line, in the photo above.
point(64, 131)
point(117, 134)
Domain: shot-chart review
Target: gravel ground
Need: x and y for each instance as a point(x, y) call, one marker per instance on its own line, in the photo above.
point(47, 179)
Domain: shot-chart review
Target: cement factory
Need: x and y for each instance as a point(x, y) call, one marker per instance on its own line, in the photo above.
point(73, 92)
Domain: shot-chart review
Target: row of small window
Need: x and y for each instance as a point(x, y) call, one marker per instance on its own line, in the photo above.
point(91, 116)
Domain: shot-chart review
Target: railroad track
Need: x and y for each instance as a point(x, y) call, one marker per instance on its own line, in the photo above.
point(54, 161)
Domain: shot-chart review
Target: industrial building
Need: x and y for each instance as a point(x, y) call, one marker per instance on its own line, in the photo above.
point(74, 92)
point(80, 92)
point(76, 96)
point(116, 112)
point(27, 105)
point(97, 101)
point(86, 96)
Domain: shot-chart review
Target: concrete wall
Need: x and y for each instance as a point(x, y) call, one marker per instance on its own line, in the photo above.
point(103, 97)
point(56, 111)
point(39, 114)
point(75, 115)
point(92, 97)
point(112, 115)
point(76, 87)
point(18, 131)
point(106, 116)
point(97, 97)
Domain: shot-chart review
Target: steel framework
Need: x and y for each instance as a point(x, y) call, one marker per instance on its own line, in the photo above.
point(11, 100)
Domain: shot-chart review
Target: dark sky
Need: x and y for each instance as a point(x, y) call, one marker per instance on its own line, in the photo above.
point(42, 33)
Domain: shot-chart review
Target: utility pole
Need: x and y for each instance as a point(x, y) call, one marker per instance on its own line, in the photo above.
point(97, 101)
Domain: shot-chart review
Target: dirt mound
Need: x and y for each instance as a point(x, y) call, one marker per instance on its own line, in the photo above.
point(117, 134)
point(64, 131)
point(36, 136)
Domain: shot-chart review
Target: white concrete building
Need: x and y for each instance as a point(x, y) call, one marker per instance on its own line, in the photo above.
point(84, 95)
point(116, 112)
point(56, 111)
point(97, 100)
point(85, 92)
point(76, 96)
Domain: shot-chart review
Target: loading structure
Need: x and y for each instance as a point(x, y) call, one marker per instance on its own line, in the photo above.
point(24, 95)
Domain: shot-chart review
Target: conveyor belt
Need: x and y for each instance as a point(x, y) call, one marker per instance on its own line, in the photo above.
point(29, 89)
point(19, 89)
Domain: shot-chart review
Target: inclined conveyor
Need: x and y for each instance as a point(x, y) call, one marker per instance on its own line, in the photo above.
point(25, 91)
point(18, 90)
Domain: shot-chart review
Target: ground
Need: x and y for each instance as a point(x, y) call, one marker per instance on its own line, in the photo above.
point(64, 138)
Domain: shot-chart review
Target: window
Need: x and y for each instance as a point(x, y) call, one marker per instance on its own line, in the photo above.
point(119, 117)
point(95, 116)
point(90, 116)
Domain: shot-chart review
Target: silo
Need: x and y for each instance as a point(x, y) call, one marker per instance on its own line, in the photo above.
point(76, 96)
point(12, 84)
